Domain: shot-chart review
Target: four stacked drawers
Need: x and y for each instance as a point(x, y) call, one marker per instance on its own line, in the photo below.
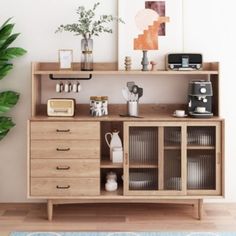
point(64, 159)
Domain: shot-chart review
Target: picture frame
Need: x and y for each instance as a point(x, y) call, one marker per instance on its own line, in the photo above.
point(170, 40)
point(65, 57)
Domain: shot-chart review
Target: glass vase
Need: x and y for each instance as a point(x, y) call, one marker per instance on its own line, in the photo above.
point(86, 54)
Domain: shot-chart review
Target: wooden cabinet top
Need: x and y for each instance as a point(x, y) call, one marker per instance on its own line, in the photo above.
point(148, 112)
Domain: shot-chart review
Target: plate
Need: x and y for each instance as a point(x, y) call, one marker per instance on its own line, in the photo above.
point(205, 112)
point(180, 116)
point(140, 181)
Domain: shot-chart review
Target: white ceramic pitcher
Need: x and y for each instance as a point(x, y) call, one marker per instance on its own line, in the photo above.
point(115, 141)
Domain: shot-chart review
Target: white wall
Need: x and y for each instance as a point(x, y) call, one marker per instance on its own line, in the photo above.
point(209, 28)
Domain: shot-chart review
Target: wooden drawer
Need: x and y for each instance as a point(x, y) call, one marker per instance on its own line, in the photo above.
point(65, 168)
point(65, 130)
point(66, 149)
point(65, 187)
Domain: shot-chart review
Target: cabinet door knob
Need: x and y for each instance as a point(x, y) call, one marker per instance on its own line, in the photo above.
point(63, 187)
point(63, 149)
point(63, 130)
point(63, 167)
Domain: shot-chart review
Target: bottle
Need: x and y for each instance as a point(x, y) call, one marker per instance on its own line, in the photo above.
point(115, 141)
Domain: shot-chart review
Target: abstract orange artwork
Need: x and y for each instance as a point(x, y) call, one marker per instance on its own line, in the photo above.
point(149, 39)
point(149, 22)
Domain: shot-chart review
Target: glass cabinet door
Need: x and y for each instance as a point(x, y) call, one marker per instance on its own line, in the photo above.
point(153, 159)
point(203, 159)
point(172, 159)
point(143, 158)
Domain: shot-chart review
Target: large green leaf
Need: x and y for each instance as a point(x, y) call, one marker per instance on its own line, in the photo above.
point(3, 134)
point(5, 69)
point(8, 99)
point(6, 124)
point(5, 32)
point(8, 41)
point(11, 53)
point(4, 24)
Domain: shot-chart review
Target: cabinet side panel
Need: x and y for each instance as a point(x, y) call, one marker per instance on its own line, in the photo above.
point(28, 157)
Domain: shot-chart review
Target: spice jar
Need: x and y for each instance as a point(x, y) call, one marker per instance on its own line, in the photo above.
point(104, 105)
point(99, 105)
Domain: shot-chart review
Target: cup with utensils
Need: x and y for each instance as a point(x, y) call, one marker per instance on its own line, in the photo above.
point(132, 93)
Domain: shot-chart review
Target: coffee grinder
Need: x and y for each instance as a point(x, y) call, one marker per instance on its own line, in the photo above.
point(200, 99)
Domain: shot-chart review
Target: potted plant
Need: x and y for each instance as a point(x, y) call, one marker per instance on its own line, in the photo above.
point(8, 99)
point(87, 27)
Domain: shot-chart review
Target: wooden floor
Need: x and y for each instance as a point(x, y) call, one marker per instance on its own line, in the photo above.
point(116, 217)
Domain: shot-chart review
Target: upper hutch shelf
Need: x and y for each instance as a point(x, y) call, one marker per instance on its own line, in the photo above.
point(42, 68)
point(45, 70)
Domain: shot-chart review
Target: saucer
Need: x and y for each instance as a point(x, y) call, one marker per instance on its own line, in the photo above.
point(205, 112)
point(180, 116)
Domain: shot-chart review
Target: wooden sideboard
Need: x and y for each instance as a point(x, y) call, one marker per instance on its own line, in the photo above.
point(182, 159)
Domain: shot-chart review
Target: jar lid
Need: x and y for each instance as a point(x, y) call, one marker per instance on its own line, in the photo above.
point(98, 98)
point(104, 97)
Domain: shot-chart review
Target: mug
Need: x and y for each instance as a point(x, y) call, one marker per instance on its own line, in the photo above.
point(59, 87)
point(179, 113)
point(67, 87)
point(75, 88)
point(200, 109)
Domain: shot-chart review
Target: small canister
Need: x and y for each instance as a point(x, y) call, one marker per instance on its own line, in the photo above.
point(117, 155)
point(92, 101)
point(105, 105)
point(97, 108)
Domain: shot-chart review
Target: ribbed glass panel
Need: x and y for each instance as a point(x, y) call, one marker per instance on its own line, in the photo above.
point(172, 170)
point(202, 136)
point(143, 145)
point(143, 179)
point(201, 170)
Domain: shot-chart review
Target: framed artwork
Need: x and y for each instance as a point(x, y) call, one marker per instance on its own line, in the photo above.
point(154, 26)
point(65, 59)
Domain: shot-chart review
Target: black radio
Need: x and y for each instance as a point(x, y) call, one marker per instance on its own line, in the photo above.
point(184, 61)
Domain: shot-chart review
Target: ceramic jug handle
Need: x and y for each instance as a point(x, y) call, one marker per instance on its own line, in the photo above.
point(106, 136)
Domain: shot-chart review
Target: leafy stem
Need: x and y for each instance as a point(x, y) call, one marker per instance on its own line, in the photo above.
point(87, 25)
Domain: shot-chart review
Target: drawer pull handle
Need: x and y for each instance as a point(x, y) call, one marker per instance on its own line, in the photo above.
point(63, 168)
point(63, 149)
point(63, 130)
point(63, 187)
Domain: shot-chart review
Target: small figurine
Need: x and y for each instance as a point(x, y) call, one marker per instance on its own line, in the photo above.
point(154, 66)
point(128, 63)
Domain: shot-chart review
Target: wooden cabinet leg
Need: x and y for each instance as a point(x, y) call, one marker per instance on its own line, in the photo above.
point(200, 208)
point(50, 210)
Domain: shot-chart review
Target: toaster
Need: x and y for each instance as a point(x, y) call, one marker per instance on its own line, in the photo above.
point(61, 107)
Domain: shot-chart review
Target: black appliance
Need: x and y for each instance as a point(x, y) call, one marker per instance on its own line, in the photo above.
point(200, 99)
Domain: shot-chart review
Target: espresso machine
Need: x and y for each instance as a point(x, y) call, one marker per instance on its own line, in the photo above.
point(200, 99)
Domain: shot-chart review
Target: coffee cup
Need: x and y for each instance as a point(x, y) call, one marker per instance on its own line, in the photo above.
point(200, 109)
point(179, 113)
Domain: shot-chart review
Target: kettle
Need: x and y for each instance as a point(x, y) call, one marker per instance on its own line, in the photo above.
point(114, 142)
